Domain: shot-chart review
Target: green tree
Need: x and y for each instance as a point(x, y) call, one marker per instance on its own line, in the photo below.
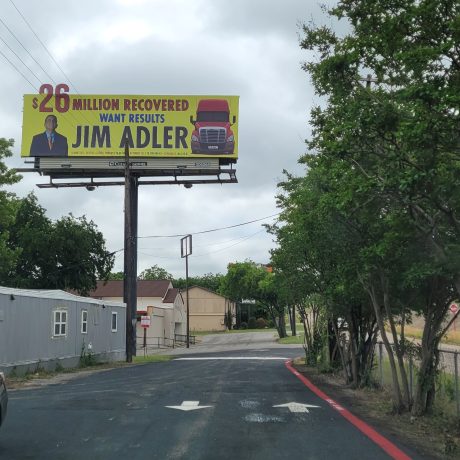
point(8, 255)
point(246, 280)
point(155, 273)
point(318, 259)
point(401, 135)
point(209, 281)
point(116, 276)
point(67, 254)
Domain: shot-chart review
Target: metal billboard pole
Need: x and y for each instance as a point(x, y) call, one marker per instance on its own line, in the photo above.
point(185, 251)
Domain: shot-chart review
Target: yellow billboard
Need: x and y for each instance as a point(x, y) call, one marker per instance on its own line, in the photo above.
point(65, 125)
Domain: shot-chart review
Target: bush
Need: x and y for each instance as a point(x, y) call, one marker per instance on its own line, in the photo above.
point(243, 325)
point(87, 357)
point(252, 324)
point(261, 323)
point(271, 324)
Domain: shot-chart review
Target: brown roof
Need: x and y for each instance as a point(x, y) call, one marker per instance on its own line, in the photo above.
point(145, 288)
point(171, 295)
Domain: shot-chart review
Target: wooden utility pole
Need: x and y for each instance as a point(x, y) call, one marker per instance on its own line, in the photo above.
point(130, 259)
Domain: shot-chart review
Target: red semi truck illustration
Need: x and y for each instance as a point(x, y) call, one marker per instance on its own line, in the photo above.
point(212, 133)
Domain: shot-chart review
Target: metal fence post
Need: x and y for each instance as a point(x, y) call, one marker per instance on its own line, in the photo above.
point(456, 383)
point(381, 363)
point(411, 378)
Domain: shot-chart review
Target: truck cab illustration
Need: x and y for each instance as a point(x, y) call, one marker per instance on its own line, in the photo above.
point(212, 133)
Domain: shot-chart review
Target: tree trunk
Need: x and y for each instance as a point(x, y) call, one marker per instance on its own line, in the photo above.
point(342, 356)
point(293, 324)
point(396, 344)
point(281, 324)
point(398, 405)
point(353, 352)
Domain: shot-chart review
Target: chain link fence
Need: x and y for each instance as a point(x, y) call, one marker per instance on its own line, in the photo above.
point(447, 380)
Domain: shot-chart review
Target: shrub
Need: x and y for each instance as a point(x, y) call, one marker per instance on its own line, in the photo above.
point(243, 325)
point(261, 323)
point(252, 324)
point(87, 357)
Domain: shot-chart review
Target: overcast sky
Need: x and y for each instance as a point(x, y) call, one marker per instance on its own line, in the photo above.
point(166, 47)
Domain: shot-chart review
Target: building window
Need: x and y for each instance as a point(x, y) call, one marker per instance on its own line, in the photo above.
point(114, 321)
point(84, 321)
point(60, 323)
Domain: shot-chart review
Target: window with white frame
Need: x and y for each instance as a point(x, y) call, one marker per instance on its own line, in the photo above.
point(60, 323)
point(84, 321)
point(114, 321)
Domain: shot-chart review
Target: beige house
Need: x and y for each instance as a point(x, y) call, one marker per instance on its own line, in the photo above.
point(207, 309)
point(157, 299)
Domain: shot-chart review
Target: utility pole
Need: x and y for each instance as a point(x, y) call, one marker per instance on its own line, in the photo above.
point(185, 251)
point(130, 259)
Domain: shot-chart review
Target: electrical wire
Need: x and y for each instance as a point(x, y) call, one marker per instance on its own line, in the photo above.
point(17, 70)
point(27, 51)
point(211, 230)
point(228, 247)
point(207, 253)
point(55, 62)
point(20, 59)
point(44, 46)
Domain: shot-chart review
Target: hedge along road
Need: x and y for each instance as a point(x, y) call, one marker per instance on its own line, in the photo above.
point(123, 413)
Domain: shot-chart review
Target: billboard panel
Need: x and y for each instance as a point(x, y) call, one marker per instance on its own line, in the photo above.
point(65, 125)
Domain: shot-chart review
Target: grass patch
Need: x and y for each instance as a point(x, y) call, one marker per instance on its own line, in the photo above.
point(151, 359)
point(233, 331)
point(445, 386)
point(296, 339)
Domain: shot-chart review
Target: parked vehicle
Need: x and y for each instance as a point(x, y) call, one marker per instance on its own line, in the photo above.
point(212, 133)
point(3, 398)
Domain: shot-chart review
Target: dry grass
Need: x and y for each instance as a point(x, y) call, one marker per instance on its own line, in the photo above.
point(452, 337)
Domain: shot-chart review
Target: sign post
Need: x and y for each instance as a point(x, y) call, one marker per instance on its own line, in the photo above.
point(185, 251)
point(145, 324)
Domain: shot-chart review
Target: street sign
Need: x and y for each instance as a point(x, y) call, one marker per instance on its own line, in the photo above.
point(145, 321)
point(453, 308)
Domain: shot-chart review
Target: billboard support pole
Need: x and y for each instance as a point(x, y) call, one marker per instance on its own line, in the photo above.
point(130, 259)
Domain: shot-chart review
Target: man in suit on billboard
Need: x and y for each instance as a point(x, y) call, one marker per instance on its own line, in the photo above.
point(50, 143)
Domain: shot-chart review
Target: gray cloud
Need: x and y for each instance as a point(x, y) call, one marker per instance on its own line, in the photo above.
point(240, 48)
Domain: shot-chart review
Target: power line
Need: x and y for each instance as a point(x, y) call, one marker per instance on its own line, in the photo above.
point(44, 46)
point(46, 73)
point(20, 73)
point(211, 230)
point(27, 51)
point(205, 254)
point(228, 247)
point(23, 63)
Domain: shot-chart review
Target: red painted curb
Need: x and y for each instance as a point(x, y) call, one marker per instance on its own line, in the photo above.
point(377, 438)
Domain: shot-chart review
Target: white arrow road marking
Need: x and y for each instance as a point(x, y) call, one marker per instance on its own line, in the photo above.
point(188, 405)
point(297, 407)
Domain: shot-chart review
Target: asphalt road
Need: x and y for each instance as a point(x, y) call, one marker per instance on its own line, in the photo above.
point(122, 414)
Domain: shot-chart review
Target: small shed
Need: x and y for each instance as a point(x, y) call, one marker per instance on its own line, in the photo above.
point(49, 328)
point(208, 309)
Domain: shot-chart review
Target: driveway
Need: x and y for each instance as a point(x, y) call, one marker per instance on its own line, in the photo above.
point(235, 341)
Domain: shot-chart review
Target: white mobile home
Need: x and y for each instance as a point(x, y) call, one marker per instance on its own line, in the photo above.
point(41, 328)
